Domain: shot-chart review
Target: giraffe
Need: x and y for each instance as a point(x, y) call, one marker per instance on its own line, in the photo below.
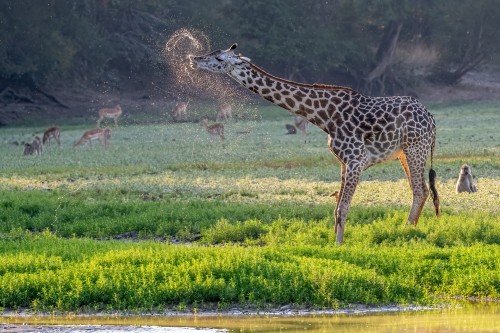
point(362, 130)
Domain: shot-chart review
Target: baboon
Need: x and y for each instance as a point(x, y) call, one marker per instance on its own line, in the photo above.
point(290, 129)
point(34, 148)
point(301, 123)
point(464, 182)
point(27, 149)
point(54, 132)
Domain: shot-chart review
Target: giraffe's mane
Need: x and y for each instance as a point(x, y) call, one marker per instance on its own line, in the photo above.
point(299, 84)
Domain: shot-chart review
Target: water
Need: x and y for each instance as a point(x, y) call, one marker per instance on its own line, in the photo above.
point(191, 84)
point(468, 318)
point(182, 43)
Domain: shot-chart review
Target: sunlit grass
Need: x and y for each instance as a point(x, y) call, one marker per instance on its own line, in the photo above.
point(251, 219)
point(46, 273)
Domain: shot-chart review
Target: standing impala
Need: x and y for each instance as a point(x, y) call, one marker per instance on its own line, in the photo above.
point(224, 112)
point(112, 113)
point(180, 110)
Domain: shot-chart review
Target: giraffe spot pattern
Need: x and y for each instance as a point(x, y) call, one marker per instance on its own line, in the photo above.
point(351, 119)
point(290, 102)
point(362, 130)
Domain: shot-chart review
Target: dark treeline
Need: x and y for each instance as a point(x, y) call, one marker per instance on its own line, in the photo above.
point(377, 46)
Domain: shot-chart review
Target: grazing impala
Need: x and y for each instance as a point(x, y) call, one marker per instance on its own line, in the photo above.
point(101, 134)
point(214, 129)
point(179, 112)
point(112, 113)
point(54, 132)
point(224, 111)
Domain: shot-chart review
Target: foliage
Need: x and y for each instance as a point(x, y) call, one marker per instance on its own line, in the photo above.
point(38, 273)
point(152, 222)
point(39, 39)
point(120, 42)
point(73, 39)
point(470, 28)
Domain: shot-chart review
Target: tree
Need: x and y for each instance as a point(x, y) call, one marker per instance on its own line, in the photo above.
point(351, 42)
point(46, 42)
point(467, 37)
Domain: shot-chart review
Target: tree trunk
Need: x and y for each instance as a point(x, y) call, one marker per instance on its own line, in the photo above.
point(375, 80)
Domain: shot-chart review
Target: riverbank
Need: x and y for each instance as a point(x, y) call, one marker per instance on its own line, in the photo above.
point(466, 316)
point(23, 321)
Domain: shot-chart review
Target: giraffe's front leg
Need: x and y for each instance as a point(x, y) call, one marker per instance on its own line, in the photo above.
point(350, 177)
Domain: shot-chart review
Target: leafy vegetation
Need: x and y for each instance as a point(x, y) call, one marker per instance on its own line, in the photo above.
point(168, 217)
point(115, 43)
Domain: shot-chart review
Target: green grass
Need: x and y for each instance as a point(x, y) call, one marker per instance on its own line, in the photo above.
point(249, 221)
point(44, 272)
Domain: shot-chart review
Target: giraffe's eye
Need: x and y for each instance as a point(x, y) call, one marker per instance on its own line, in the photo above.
point(219, 59)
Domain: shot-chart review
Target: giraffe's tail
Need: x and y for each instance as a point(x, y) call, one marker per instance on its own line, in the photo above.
point(432, 183)
point(434, 193)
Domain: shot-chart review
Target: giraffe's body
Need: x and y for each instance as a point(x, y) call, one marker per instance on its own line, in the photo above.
point(362, 130)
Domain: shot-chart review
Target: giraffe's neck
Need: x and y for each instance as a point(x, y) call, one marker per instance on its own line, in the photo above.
point(318, 103)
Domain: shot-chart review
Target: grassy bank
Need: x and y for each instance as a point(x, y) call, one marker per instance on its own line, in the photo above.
point(48, 273)
point(168, 217)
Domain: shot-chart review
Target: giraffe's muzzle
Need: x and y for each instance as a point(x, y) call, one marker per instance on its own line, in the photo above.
point(192, 62)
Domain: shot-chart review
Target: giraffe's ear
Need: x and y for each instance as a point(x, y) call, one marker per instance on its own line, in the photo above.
point(233, 47)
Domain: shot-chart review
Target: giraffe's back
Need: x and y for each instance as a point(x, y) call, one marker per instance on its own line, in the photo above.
point(379, 128)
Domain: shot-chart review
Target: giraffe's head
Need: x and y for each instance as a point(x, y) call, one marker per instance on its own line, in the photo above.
point(220, 61)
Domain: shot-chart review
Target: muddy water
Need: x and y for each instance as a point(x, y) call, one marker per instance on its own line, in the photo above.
point(467, 318)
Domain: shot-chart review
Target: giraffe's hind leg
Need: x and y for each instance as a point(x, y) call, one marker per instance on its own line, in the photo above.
point(404, 164)
point(416, 165)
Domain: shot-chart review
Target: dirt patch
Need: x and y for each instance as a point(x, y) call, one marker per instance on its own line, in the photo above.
point(474, 86)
